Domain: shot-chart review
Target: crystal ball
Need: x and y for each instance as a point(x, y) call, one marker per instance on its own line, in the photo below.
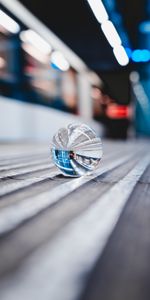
point(76, 150)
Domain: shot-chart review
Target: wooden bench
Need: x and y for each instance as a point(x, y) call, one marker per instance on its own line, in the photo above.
point(82, 238)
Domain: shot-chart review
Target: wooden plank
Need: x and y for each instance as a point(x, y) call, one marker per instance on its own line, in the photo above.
point(26, 169)
point(10, 161)
point(11, 217)
point(17, 165)
point(74, 250)
point(15, 152)
point(39, 207)
point(123, 270)
point(17, 182)
point(50, 222)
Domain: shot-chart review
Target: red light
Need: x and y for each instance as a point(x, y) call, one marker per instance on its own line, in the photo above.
point(115, 111)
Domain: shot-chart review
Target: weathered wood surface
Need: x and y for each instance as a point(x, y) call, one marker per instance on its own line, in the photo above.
point(67, 239)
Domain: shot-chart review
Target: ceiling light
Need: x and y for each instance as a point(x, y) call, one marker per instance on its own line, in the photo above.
point(34, 53)
point(111, 33)
point(58, 60)
point(98, 10)
point(121, 55)
point(30, 36)
point(134, 77)
point(8, 23)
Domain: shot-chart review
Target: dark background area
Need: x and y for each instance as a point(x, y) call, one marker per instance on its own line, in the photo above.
point(75, 24)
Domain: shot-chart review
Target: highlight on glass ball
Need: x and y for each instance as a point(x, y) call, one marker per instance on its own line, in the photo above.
point(76, 150)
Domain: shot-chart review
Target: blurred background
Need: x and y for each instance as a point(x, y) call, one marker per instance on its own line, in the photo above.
point(74, 61)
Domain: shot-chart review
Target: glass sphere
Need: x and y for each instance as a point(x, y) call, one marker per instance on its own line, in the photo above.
point(76, 150)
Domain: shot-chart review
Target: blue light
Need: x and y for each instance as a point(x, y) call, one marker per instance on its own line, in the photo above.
point(129, 52)
point(110, 4)
point(116, 17)
point(55, 67)
point(145, 55)
point(136, 55)
point(139, 55)
point(145, 27)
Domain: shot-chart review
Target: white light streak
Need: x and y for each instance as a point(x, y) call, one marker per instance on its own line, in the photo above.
point(111, 34)
point(109, 31)
point(121, 55)
point(59, 61)
point(8, 23)
point(98, 10)
point(30, 36)
point(134, 77)
point(35, 53)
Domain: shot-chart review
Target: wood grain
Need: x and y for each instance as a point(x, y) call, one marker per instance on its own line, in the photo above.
point(46, 239)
